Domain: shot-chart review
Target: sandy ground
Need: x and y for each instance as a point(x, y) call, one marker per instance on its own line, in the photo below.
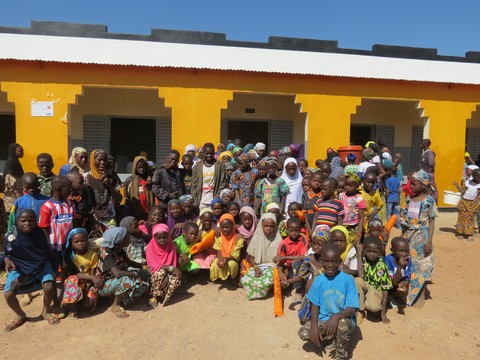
point(208, 321)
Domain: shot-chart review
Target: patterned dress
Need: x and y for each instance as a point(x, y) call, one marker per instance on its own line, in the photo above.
point(244, 182)
point(271, 191)
point(414, 218)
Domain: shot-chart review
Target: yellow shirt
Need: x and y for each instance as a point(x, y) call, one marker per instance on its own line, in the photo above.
point(85, 263)
point(372, 200)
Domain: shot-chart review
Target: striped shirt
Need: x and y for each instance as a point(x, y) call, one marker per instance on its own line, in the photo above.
point(56, 218)
point(329, 211)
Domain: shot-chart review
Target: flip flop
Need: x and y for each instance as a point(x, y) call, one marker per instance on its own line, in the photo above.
point(12, 325)
point(51, 318)
point(153, 302)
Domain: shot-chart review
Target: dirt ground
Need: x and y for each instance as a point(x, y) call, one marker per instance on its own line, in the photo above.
point(208, 321)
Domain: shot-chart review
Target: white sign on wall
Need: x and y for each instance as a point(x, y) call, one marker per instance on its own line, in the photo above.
point(42, 108)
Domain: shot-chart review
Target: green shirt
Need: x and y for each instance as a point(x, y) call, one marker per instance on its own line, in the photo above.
point(183, 248)
point(376, 274)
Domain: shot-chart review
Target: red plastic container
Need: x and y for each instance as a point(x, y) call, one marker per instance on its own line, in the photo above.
point(343, 151)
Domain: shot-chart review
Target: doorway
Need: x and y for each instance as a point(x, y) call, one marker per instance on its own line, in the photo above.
point(129, 137)
point(361, 134)
point(248, 131)
point(7, 135)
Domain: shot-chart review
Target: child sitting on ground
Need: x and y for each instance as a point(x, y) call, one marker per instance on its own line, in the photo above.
point(334, 301)
point(79, 273)
point(348, 252)
point(399, 268)
point(155, 216)
point(45, 176)
point(138, 240)
point(183, 244)
point(328, 211)
point(291, 251)
point(205, 256)
point(189, 210)
point(373, 282)
point(175, 218)
point(376, 229)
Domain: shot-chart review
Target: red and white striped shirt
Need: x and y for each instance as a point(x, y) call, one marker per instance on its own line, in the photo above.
point(56, 218)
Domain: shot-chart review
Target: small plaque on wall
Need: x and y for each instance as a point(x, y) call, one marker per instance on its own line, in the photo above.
point(42, 108)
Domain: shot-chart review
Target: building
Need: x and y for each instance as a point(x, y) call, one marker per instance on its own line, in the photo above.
point(178, 87)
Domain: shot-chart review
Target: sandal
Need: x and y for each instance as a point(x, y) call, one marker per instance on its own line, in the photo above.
point(15, 324)
point(51, 318)
point(119, 312)
point(153, 302)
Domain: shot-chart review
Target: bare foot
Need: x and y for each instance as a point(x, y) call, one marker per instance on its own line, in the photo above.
point(119, 312)
point(26, 300)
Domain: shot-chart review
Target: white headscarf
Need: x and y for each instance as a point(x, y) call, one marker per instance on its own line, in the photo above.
point(190, 147)
point(294, 183)
point(259, 146)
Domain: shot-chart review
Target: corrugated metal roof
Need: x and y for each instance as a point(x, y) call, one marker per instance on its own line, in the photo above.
point(174, 55)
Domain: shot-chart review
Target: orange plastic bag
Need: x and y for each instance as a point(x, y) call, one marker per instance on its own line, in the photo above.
point(207, 241)
point(277, 294)
point(391, 222)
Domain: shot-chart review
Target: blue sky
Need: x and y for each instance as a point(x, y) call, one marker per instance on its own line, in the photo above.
point(449, 26)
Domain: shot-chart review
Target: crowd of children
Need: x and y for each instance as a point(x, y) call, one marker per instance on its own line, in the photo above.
point(324, 228)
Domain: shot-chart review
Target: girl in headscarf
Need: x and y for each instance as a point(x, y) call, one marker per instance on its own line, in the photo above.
point(77, 162)
point(189, 210)
point(248, 147)
point(80, 268)
point(136, 249)
point(105, 188)
point(292, 177)
point(348, 252)
point(205, 257)
point(220, 149)
point(218, 209)
point(162, 260)
point(139, 197)
point(248, 220)
point(417, 218)
point(12, 164)
point(175, 218)
point(296, 151)
point(27, 262)
point(127, 286)
point(237, 151)
point(262, 249)
point(225, 156)
point(228, 246)
point(12, 172)
point(335, 162)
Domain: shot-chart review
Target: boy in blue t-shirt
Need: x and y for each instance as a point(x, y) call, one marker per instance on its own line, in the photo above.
point(399, 268)
point(32, 198)
point(334, 299)
point(392, 191)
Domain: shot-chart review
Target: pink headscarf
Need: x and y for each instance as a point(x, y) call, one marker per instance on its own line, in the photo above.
point(247, 234)
point(158, 256)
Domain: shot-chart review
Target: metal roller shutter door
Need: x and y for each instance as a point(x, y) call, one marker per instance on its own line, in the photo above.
point(387, 133)
point(281, 134)
point(96, 133)
point(473, 142)
point(163, 143)
point(417, 137)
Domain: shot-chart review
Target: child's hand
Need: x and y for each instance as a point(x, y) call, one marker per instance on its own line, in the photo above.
point(427, 248)
point(258, 272)
point(184, 259)
point(97, 282)
point(330, 328)
point(9, 265)
point(385, 319)
point(177, 272)
point(403, 261)
point(315, 335)
point(275, 259)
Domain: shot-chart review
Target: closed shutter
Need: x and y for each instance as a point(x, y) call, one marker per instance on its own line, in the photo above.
point(163, 143)
point(281, 134)
point(224, 132)
point(96, 133)
point(473, 142)
point(387, 133)
point(417, 137)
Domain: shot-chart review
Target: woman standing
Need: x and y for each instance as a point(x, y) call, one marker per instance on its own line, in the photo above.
point(418, 221)
point(12, 172)
point(138, 189)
